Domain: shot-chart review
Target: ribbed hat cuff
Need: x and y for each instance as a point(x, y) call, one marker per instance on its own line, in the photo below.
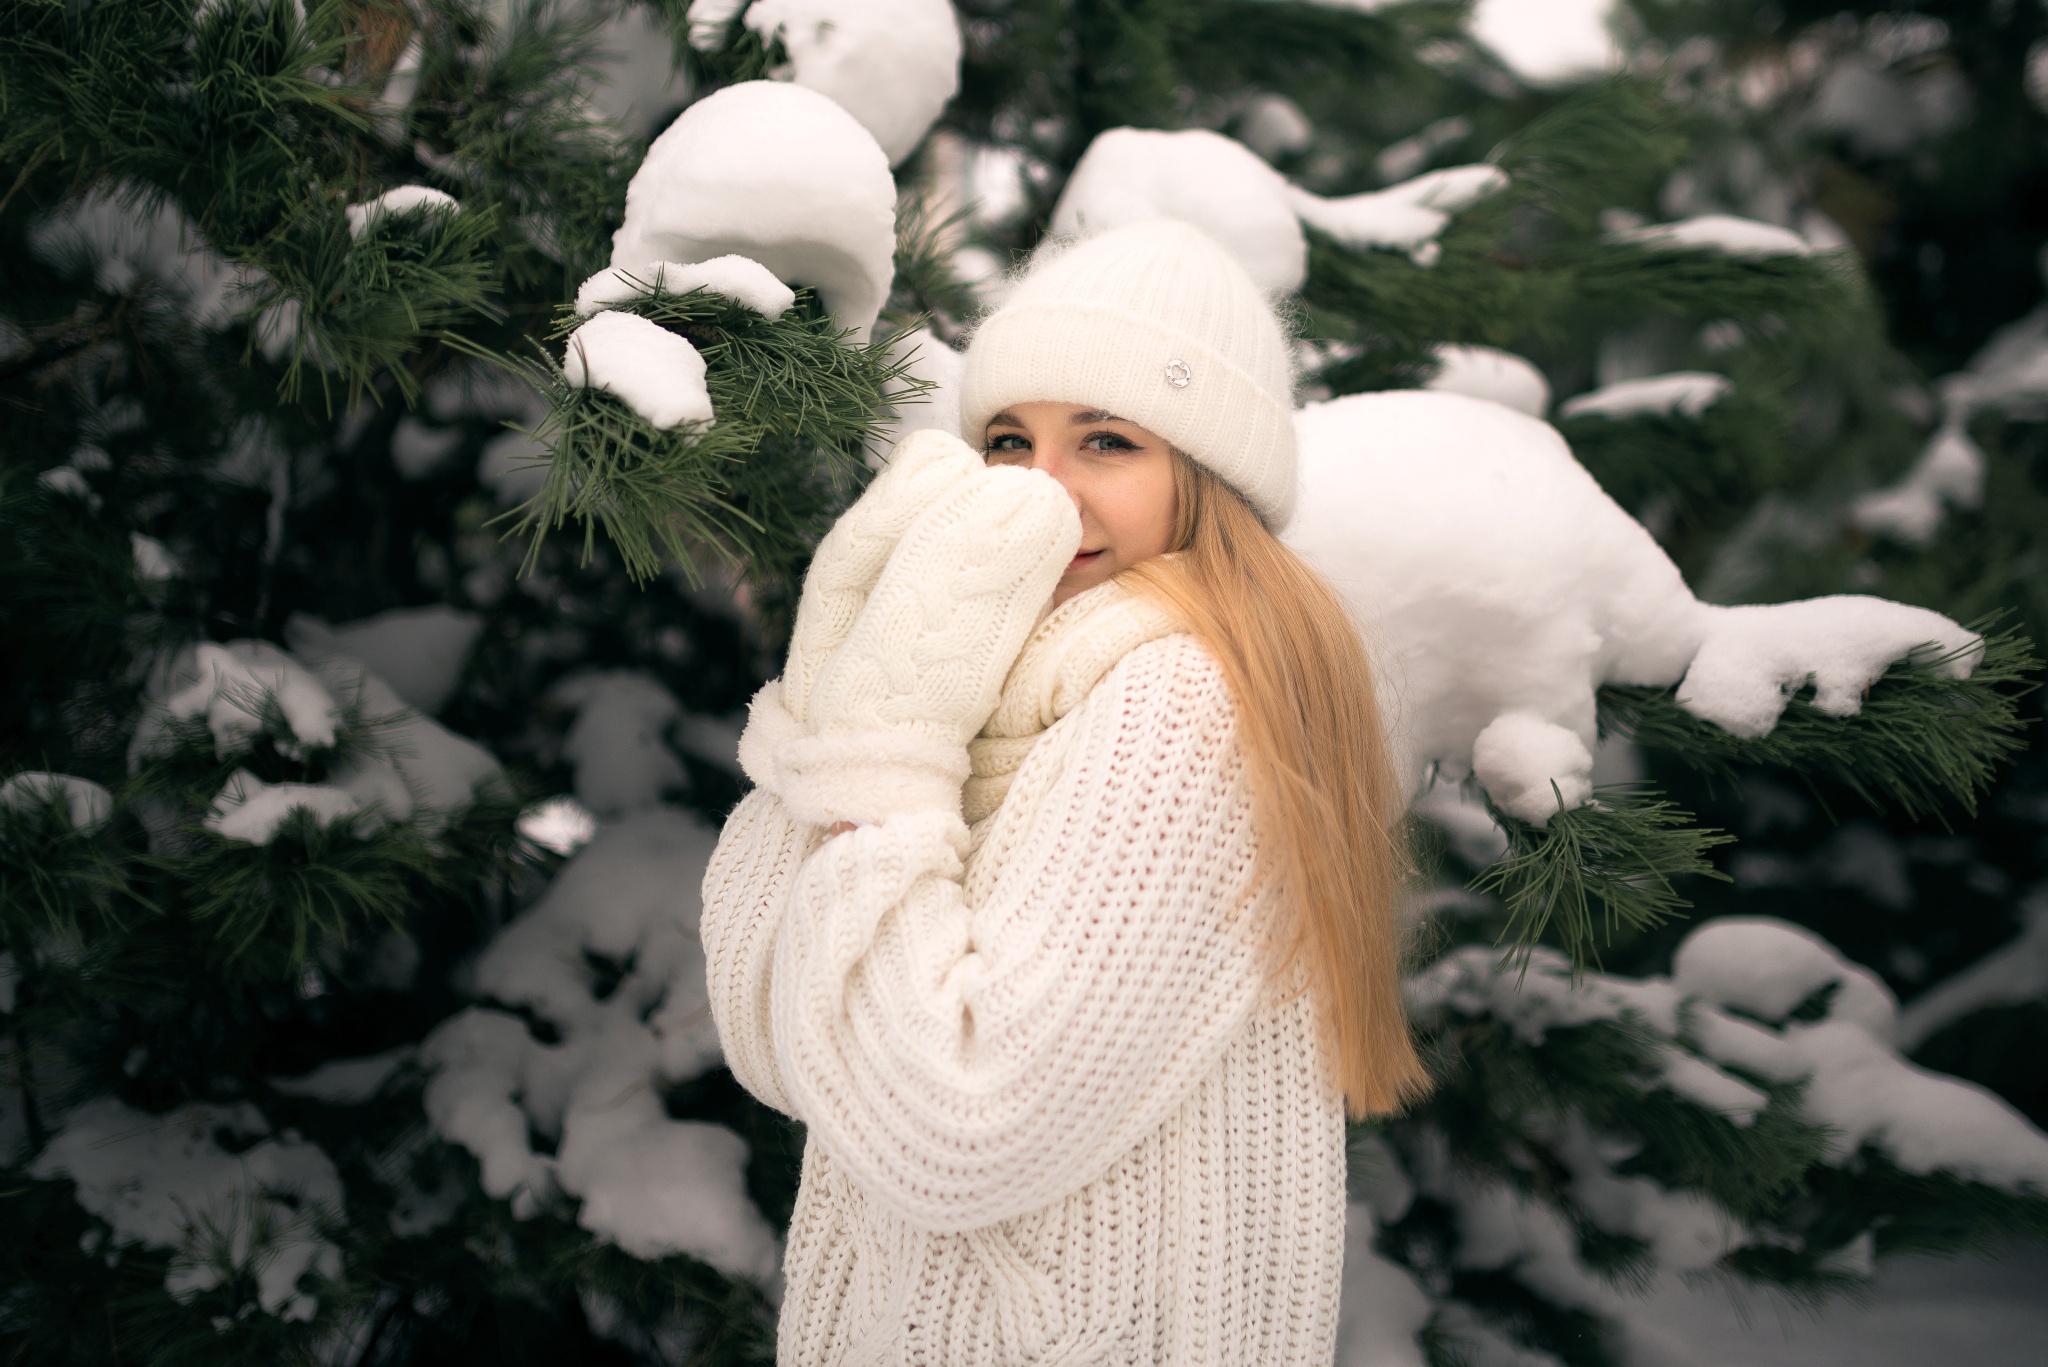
point(1107, 358)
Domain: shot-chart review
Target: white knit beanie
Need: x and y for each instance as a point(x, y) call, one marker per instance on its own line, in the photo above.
point(1158, 324)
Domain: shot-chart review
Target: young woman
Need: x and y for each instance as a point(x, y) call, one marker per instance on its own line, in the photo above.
point(1060, 914)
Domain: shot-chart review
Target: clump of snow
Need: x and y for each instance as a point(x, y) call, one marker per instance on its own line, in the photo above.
point(1407, 217)
point(418, 450)
point(346, 1081)
point(513, 465)
point(938, 409)
point(1726, 973)
point(412, 767)
point(418, 651)
point(1725, 233)
point(247, 808)
point(232, 686)
point(633, 60)
point(618, 743)
point(1950, 472)
point(125, 239)
point(1533, 769)
point(1381, 1308)
point(652, 1185)
point(154, 563)
point(659, 375)
point(1131, 175)
point(1767, 967)
point(561, 824)
point(1486, 372)
point(423, 200)
point(1404, 159)
point(779, 174)
point(1753, 658)
point(893, 64)
point(1494, 576)
point(163, 1181)
point(738, 278)
point(1688, 393)
point(1274, 126)
point(86, 804)
point(2015, 972)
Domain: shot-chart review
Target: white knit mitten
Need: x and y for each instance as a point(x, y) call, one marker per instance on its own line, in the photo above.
point(923, 665)
point(920, 470)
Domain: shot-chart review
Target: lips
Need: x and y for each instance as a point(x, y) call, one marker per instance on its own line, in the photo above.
point(1084, 558)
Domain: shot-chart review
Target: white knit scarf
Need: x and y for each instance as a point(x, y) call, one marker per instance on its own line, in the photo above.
point(1062, 661)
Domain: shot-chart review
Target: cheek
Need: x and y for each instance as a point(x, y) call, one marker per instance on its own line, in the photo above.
point(1136, 510)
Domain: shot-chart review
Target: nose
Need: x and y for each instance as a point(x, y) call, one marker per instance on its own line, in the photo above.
point(1058, 463)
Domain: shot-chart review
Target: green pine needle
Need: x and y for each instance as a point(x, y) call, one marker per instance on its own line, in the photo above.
point(1921, 740)
point(1612, 860)
point(797, 404)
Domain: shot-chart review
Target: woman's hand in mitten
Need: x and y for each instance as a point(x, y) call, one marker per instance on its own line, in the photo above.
point(923, 665)
point(919, 472)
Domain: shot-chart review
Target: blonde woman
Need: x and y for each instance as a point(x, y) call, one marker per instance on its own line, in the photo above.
point(1061, 911)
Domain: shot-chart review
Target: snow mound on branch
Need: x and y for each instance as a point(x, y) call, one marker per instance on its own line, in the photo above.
point(659, 375)
point(1500, 585)
point(738, 278)
point(1405, 217)
point(1131, 175)
point(346, 1081)
point(938, 365)
point(892, 64)
point(1688, 393)
point(418, 651)
point(1726, 972)
point(2015, 972)
point(610, 959)
point(1725, 233)
point(413, 768)
point(1381, 1308)
point(125, 241)
point(86, 804)
point(561, 824)
point(232, 686)
point(1274, 126)
point(617, 743)
point(776, 173)
point(1753, 658)
point(1134, 175)
point(161, 1180)
point(247, 808)
point(1950, 472)
point(406, 199)
point(1484, 372)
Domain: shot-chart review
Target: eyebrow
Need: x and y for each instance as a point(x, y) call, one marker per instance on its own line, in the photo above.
point(1008, 419)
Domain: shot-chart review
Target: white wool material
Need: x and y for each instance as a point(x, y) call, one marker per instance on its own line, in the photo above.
point(1057, 1104)
point(658, 374)
point(776, 173)
point(739, 278)
point(892, 63)
point(1157, 323)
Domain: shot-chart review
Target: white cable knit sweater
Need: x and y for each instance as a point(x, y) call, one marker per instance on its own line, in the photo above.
point(1058, 1109)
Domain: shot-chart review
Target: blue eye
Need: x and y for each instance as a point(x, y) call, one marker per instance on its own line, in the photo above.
point(1108, 441)
point(1008, 441)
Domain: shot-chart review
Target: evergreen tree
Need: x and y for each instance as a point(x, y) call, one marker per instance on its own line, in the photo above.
point(347, 539)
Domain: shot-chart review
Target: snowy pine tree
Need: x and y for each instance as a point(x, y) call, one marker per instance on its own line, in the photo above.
point(407, 471)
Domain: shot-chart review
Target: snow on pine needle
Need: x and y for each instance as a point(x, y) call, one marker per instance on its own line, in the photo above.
point(795, 401)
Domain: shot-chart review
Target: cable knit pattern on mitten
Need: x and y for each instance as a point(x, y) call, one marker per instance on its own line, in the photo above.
point(921, 470)
point(923, 666)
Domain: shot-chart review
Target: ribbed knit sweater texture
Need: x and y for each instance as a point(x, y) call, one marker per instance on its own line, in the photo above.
point(1060, 1108)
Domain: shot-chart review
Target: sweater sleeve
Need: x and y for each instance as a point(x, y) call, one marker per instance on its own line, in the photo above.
point(746, 887)
point(969, 1059)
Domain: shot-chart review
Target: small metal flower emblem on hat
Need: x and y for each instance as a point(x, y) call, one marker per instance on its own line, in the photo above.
point(1178, 374)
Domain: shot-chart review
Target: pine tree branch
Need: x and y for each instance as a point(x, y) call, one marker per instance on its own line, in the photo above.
point(1920, 740)
point(1613, 859)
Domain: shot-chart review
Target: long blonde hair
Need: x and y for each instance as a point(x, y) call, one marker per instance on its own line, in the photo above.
point(1326, 802)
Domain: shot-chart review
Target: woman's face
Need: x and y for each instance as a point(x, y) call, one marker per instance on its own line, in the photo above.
point(1119, 475)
